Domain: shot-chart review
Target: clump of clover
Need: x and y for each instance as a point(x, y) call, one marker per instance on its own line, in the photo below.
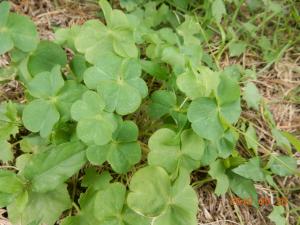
point(80, 118)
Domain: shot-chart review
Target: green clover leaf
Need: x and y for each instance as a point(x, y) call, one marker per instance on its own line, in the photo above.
point(95, 126)
point(10, 187)
point(40, 116)
point(252, 96)
point(251, 170)
point(163, 102)
point(46, 84)
point(115, 40)
point(227, 142)
point(6, 153)
point(243, 187)
point(54, 96)
point(203, 113)
point(208, 116)
point(110, 207)
point(188, 29)
point(45, 57)
point(153, 195)
point(52, 167)
point(218, 10)
point(121, 86)
point(251, 138)
point(277, 215)
point(228, 98)
point(237, 48)
point(282, 165)
point(218, 171)
point(172, 152)
point(40, 208)
point(122, 152)
point(66, 36)
point(198, 83)
point(228, 90)
point(67, 95)
point(9, 120)
point(94, 182)
point(16, 31)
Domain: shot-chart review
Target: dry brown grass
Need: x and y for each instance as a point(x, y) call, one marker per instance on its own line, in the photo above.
point(275, 84)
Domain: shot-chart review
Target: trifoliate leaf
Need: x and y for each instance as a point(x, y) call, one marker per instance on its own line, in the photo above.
point(237, 48)
point(46, 84)
point(10, 187)
point(251, 138)
point(172, 152)
point(110, 207)
point(152, 195)
point(251, 96)
point(91, 38)
point(16, 31)
point(49, 169)
point(276, 215)
point(5, 151)
point(251, 170)
point(95, 126)
point(121, 86)
point(122, 152)
point(218, 172)
point(283, 165)
point(198, 84)
point(115, 39)
point(42, 114)
point(204, 116)
point(218, 10)
point(162, 103)
point(41, 208)
point(45, 57)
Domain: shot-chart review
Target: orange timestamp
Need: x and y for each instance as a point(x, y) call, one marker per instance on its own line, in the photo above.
point(262, 201)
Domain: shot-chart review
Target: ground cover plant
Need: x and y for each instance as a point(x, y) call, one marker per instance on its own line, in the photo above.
point(76, 152)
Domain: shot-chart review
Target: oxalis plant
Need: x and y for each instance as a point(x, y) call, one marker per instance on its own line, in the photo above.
point(76, 149)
